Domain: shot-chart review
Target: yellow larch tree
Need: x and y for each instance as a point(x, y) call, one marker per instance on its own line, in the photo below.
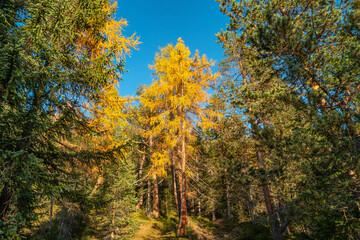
point(105, 45)
point(115, 43)
point(156, 152)
point(109, 118)
point(178, 97)
point(107, 112)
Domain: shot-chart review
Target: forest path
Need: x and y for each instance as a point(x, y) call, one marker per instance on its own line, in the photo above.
point(154, 229)
point(147, 231)
point(164, 228)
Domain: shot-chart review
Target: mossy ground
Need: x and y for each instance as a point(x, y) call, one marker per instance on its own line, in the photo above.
point(199, 228)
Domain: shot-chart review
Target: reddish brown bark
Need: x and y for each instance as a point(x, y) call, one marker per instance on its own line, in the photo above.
point(156, 198)
point(274, 227)
point(174, 181)
point(148, 197)
point(183, 218)
point(149, 182)
point(265, 187)
point(141, 191)
point(98, 184)
point(183, 214)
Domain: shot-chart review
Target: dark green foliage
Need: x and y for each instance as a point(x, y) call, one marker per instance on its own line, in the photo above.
point(251, 231)
point(46, 76)
point(114, 204)
point(18, 185)
point(292, 68)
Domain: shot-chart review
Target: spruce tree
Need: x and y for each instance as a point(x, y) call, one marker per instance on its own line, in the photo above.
point(297, 69)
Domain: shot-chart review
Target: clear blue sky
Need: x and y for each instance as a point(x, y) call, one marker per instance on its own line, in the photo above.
point(160, 22)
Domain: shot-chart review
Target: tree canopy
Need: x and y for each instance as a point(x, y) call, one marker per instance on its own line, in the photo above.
point(264, 147)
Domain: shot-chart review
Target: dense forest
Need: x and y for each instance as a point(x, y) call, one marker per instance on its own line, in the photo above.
point(268, 145)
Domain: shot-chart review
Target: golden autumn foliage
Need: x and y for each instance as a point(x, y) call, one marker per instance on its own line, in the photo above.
point(108, 118)
point(176, 98)
point(112, 30)
point(108, 121)
point(108, 115)
point(108, 110)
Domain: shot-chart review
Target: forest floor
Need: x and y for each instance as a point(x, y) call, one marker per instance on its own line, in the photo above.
point(198, 229)
point(165, 228)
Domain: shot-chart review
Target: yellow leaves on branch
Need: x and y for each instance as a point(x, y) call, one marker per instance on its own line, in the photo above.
point(112, 30)
point(111, 38)
point(177, 72)
point(104, 40)
point(176, 100)
point(159, 160)
point(180, 88)
point(109, 118)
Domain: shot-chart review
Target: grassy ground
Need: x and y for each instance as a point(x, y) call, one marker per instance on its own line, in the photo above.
point(198, 229)
point(161, 228)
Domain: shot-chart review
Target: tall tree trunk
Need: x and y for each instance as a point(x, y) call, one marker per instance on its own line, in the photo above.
point(183, 214)
point(183, 218)
point(228, 212)
point(141, 190)
point(178, 192)
point(199, 208)
point(155, 185)
point(174, 181)
point(274, 226)
point(251, 206)
point(197, 180)
point(156, 198)
point(213, 210)
point(173, 173)
point(148, 197)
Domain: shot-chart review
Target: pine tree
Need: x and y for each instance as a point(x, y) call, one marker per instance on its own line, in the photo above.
point(297, 63)
point(55, 56)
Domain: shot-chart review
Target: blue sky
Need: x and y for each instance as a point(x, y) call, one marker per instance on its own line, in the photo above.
point(160, 22)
